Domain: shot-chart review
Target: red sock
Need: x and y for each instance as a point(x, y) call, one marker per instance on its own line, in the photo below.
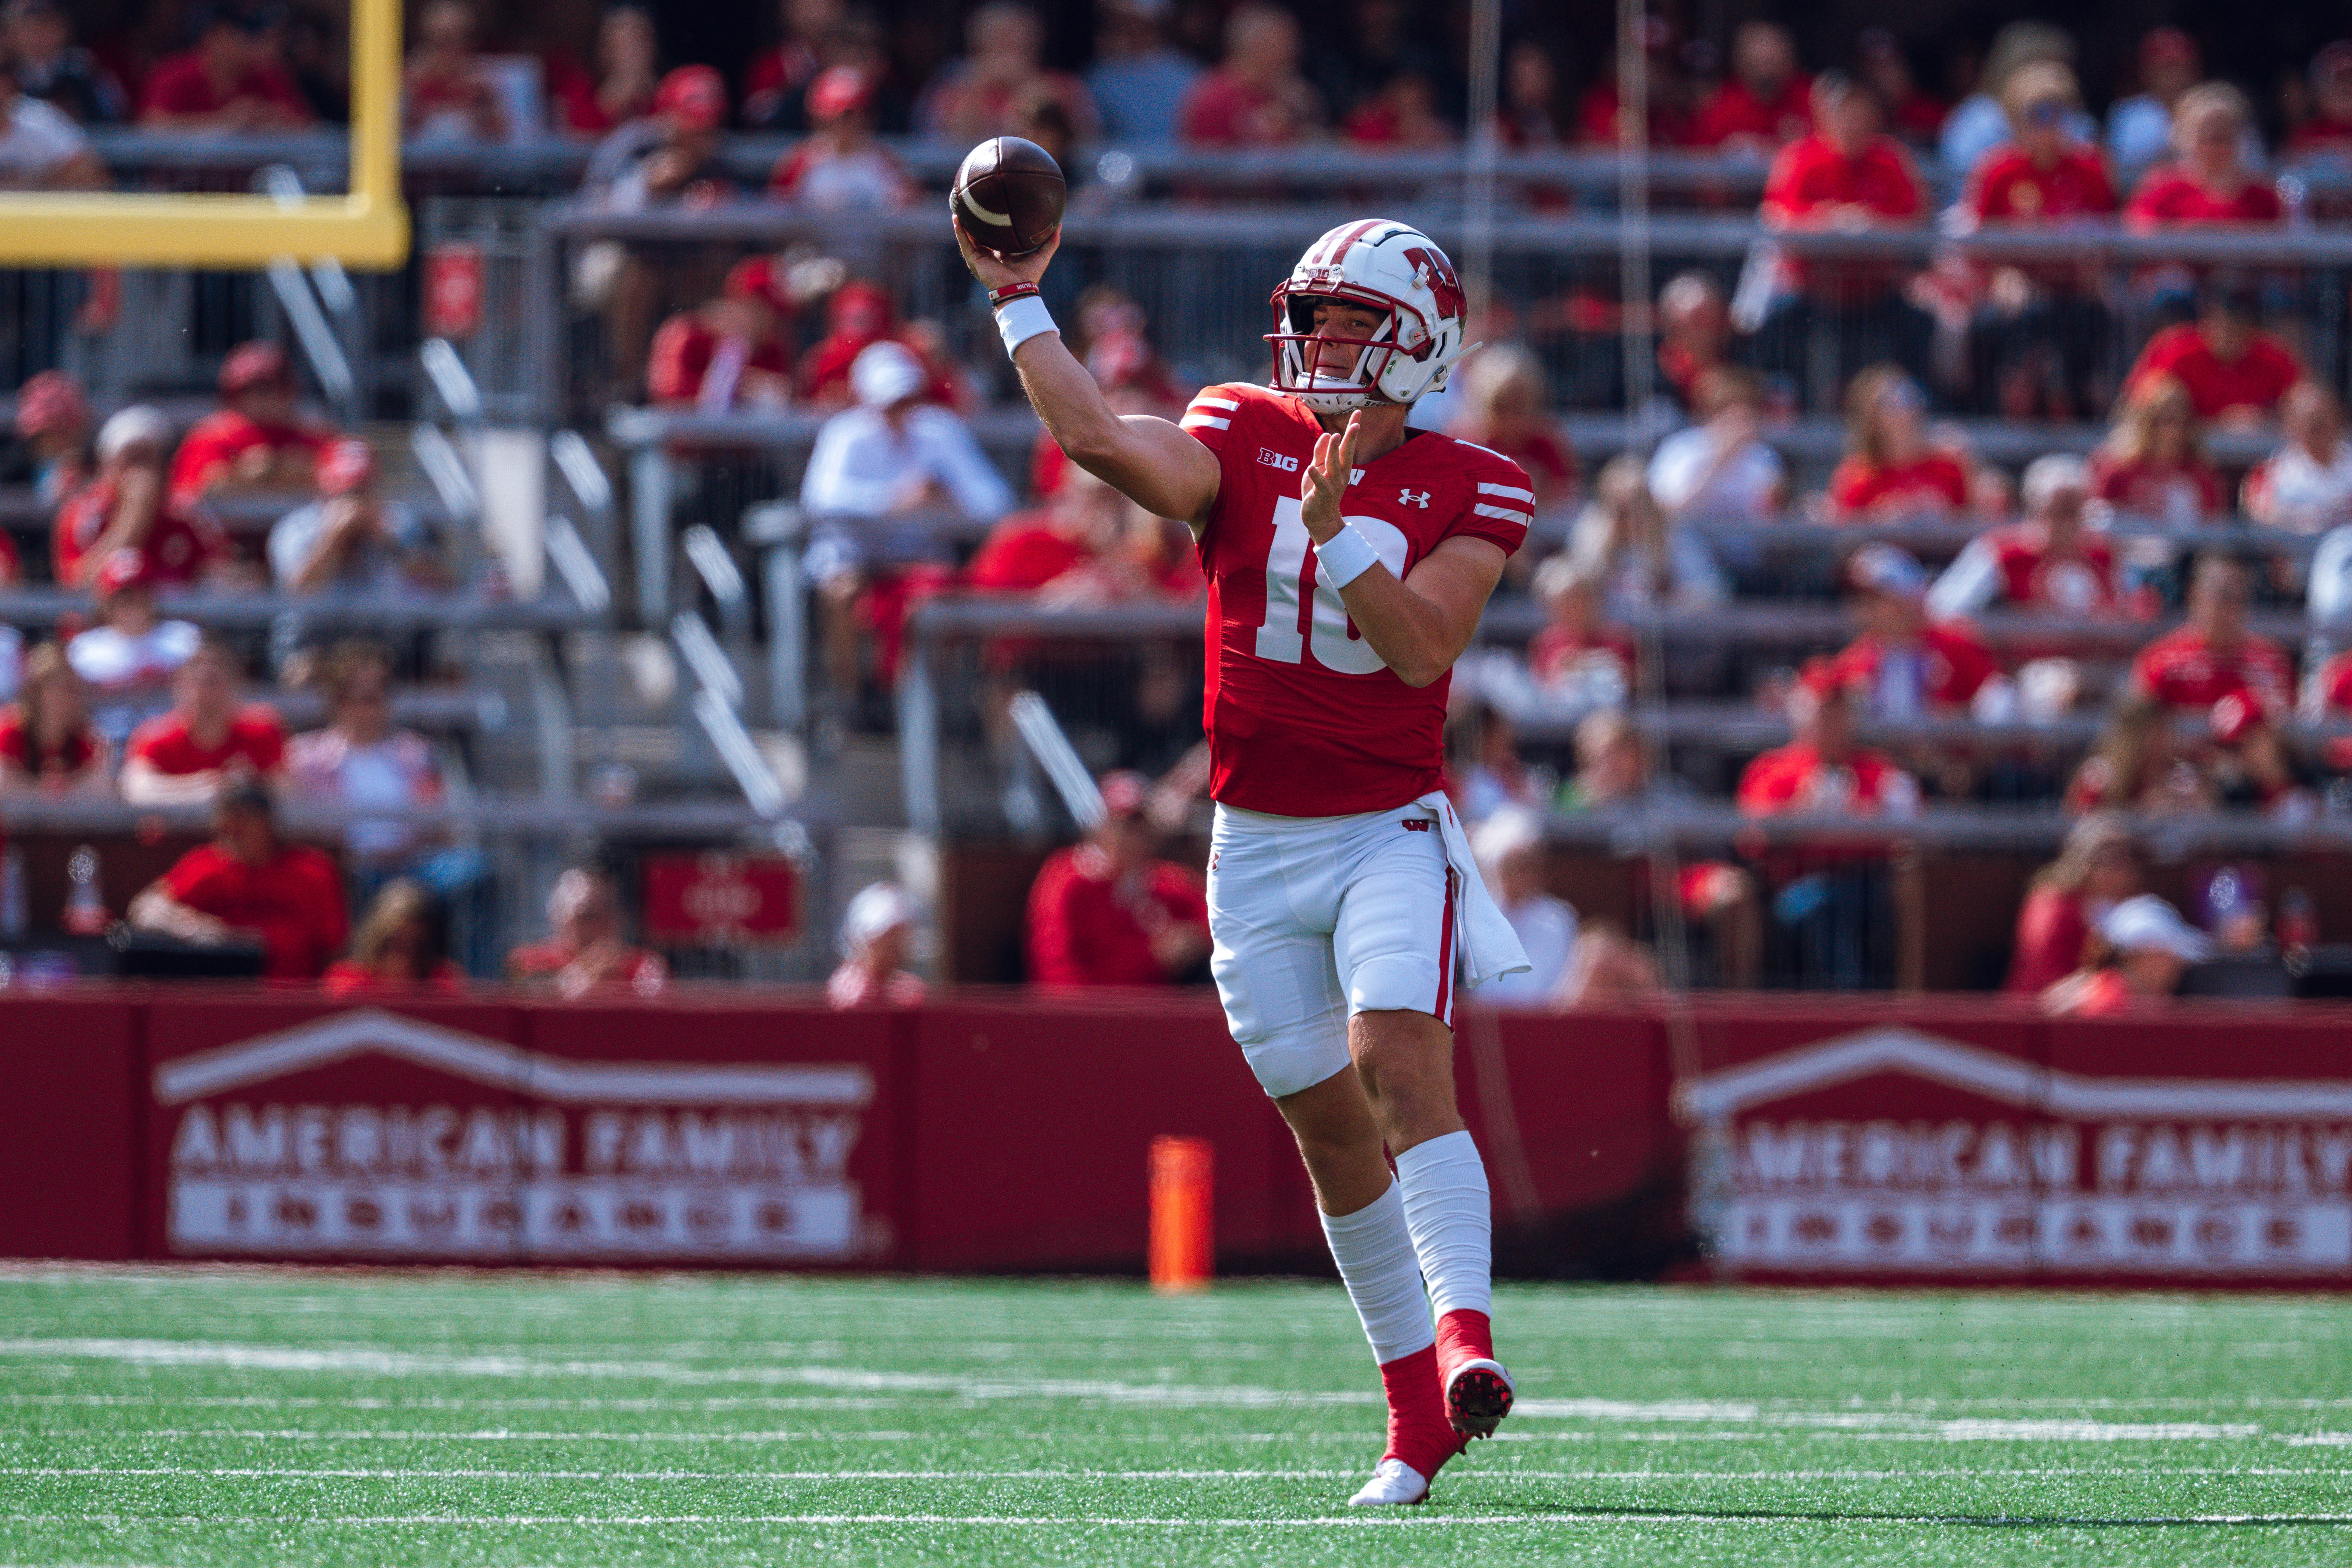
point(1463, 1335)
point(1419, 1433)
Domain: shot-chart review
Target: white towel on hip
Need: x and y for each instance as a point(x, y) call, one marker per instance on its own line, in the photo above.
point(1486, 947)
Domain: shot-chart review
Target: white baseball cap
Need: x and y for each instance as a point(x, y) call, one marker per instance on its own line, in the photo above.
point(2138, 925)
point(139, 425)
point(886, 373)
point(879, 908)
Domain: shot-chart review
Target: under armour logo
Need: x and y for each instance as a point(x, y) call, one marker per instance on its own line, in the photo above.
point(1414, 498)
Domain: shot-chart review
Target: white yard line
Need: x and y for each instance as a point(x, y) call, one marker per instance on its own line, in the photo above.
point(1375, 1517)
point(247, 1472)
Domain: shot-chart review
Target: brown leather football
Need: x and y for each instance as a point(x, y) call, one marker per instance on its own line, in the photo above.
point(1009, 194)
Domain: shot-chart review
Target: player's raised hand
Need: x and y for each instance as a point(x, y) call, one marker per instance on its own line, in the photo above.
point(993, 270)
point(1326, 481)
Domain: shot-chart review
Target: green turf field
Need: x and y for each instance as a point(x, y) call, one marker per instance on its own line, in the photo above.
point(266, 1417)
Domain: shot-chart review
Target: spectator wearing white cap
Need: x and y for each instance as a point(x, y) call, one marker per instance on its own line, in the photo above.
point(1509, 845)
point(2143, 947)
point(2048, 563)
point(876, 933)
point(890, 455)
point(129, 508)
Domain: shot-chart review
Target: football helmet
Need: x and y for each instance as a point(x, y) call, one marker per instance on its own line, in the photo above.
point(1385, 266)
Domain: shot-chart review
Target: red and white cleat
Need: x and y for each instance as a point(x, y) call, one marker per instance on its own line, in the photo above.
point(1394, 1484)
point(1478, 1396)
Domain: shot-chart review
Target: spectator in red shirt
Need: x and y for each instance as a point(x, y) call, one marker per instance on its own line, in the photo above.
point(1890, 471)
point(1600, 118)
point(1846, 176)
point(2208, 181)
point(256, 440)
point(777, 78)
point(2213, 656)
point(48, 744)
point(1823, 771)
point(232, 81)
point(1693, 333)
point(2235, 373)
point(839, 166)
point(2327, 136)
point(397, 948)
point(1104, 912)
point(2098, 869)
point(980, 93)
point(446, 95)
point(876, 934)
point(859, 315)
point(1402, 114)
point(53, 430)
point(1578, 656)
point(628, 73)
point(727, 353)
point(2042, 328)
point(586, 948)
point(1256, 97)
point(248, 885)
point(1506, 407)
point(1916, 117)
point(2046, 564)
point(1766, 104)
point(2153, 463)
point(128, 507)
point(1904, 665)
point(1074, 530)
point(209, 741)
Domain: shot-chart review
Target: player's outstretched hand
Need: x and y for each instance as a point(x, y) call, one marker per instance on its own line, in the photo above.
point(995, 271)
point(1326, 481)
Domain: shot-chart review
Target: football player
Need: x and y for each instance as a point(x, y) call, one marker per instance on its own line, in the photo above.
point(1348, 559)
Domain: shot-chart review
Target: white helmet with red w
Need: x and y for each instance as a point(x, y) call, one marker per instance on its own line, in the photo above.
point(1381, 266)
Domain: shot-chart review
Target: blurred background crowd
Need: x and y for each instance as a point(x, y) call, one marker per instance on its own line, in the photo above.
point(1946, 528)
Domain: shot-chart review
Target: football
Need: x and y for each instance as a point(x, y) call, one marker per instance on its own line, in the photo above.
point(1009, 194)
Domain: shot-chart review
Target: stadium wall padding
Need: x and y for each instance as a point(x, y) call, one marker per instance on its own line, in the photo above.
point(1815, 1138)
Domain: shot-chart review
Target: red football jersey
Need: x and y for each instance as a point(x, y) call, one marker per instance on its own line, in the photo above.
point(1953, 665)
point(2083, 582)
point(1937, 482)
point(181, 544)
point(2168, 196)
point(2182, 670)
point(165, 743)
point(2008, 187)
point(1794, 780)
point(2256, 379)
point(1303, 718)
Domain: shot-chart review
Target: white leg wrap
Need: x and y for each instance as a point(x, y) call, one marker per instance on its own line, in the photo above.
point(1452, 1219)
point(1374, 1249)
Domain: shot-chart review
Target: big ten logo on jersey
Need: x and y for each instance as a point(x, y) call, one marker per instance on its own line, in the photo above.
point(1274, 459)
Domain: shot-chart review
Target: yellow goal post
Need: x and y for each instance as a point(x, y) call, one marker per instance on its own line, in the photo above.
point(366, 229)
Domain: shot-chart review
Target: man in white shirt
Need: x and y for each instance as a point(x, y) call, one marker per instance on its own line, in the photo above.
point(2306, 486)
point(131, 651)
point(1719, 470)
point(883, 470)
point(40, 148)
point(1509, 845)
point(351, 538)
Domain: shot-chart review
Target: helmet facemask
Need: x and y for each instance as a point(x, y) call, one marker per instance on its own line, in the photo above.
point(1298, 350)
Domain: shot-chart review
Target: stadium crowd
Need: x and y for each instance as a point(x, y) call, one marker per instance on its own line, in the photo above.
point(2222, 486)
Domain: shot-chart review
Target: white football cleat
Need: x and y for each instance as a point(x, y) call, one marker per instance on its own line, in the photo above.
point(1394, 1484)
point(1478, 1395)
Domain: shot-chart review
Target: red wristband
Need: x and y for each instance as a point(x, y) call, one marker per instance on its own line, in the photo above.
point(999, 297)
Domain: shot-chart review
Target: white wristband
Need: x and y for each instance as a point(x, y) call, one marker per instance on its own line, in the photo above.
point(1023, 319)
point(1346, 556)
